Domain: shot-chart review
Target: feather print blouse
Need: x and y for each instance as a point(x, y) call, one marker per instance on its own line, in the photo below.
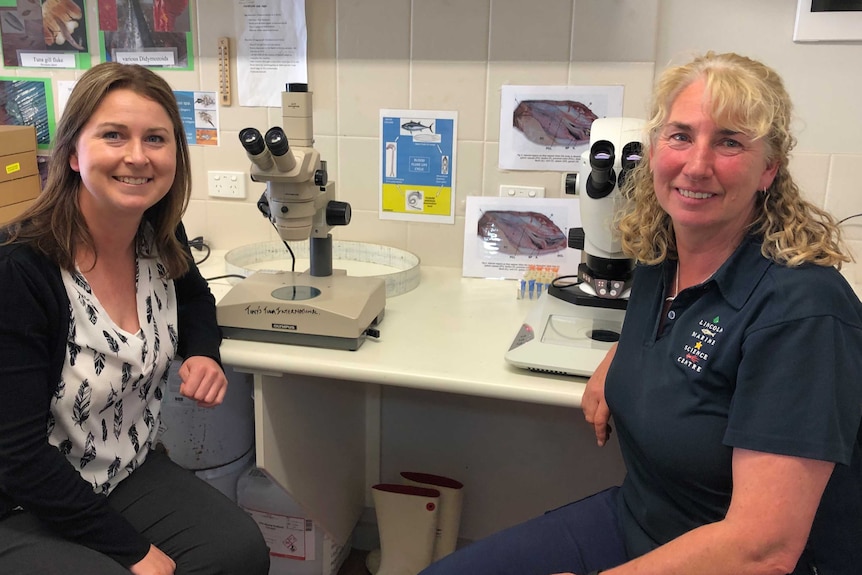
point(105, 411)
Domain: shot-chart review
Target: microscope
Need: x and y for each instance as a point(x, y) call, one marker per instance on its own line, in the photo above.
point(320, 307)
point(571, 327)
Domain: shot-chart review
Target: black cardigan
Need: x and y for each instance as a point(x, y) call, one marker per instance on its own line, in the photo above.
point(34, 323)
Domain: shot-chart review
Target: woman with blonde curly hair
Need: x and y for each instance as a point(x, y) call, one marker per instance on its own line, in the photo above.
point(735, 387)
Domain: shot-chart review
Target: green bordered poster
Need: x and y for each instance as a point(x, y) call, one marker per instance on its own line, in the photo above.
point(417, 165)
point(29, 102)
point(52, 34)
point(152, 33)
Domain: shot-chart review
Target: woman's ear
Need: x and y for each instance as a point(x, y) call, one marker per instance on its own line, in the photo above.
point(768, 176)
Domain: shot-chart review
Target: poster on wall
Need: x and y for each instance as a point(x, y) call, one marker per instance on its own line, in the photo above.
point(547, 128)
point(828, 21)
point(417, 165)
point(50, 35)
point(504, 238)
point(29, 102)
point(151, 33)
point(199, 112)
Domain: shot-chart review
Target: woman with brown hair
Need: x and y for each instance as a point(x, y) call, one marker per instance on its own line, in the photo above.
point(100, 294)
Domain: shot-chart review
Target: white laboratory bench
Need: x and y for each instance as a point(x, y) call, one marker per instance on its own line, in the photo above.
point(323, 431)
point(448, 334)
point(432, 394)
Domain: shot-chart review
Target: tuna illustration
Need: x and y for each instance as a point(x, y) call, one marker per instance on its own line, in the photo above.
point(554, 122)
point(414, 126)
point(521, 233)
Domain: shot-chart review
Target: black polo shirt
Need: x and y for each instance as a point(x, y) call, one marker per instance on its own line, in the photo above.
point(761, 357)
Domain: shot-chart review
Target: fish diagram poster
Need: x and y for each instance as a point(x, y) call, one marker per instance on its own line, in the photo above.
point(417, 165)
point(503, 237)
point(547, 128)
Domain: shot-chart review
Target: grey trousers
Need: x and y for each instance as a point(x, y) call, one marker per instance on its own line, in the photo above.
point(203, 531)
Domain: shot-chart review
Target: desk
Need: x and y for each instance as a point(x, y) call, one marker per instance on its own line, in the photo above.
point(319, 426)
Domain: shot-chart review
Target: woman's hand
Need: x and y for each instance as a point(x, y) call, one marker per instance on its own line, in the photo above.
point(593, 404)
point(202, 380)
point(154, 563)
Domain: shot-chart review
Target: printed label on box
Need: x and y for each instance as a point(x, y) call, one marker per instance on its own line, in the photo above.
point(12, 168)
point(286, 536)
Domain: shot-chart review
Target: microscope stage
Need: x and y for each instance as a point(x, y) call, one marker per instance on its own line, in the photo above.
point(564, 338)
point(334, 311)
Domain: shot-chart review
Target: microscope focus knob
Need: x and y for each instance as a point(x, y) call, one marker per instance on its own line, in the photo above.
point(577, 238)
point(338, 213)
point(321, 176)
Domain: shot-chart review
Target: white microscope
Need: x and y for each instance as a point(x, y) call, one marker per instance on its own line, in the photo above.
point(320, 307)
point(570, 328)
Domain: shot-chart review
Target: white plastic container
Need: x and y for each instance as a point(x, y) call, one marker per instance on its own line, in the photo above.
point(297, 545)
point(226, 477)
point(200, 438)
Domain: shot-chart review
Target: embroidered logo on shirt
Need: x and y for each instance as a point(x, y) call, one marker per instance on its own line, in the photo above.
point(703, 340)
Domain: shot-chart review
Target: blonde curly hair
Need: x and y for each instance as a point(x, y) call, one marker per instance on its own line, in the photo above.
point(748, 97)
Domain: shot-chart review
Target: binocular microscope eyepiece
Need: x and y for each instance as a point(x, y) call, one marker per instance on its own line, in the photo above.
point(266, 151)
point(602, 178)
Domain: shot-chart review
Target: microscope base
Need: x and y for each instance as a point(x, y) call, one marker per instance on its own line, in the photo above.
point(564, 338)
point(334, 311)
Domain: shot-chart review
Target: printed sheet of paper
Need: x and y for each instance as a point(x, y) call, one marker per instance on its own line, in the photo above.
point(271, 49)
point(503, 237)
point(417, 165)
point(547, 128)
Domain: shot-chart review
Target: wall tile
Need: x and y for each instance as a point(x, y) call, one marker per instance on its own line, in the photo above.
point(453, 30)
point(358, 177)
point(452, 86)
point(810, 172)
point(378, 30)
point(364, 88)
point(233, 224)
point(469, 173)
point(622, 31)
point(843, 197)
point(438, 244)
point(366, 226)
point(531, 32)
point(322, 81)
point(636, 77)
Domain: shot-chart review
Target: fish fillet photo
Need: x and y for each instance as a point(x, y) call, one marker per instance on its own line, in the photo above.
point(548, 127)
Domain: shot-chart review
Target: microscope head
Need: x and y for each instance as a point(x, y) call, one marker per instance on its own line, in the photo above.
point(299, 195)
point(615, 148)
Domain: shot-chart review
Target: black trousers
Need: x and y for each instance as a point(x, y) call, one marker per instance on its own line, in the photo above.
point(203, 531)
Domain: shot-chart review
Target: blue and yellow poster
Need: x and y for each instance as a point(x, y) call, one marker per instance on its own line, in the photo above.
point(417, 165)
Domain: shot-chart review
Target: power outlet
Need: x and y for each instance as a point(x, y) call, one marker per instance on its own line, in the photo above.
point(521, 192)
point(226, 184)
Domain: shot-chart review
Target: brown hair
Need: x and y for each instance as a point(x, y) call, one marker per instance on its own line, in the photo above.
point(748, 97)
point(54, 224)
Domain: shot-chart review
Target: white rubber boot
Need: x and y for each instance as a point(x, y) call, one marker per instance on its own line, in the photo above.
point(449, 516)
point(407, 522)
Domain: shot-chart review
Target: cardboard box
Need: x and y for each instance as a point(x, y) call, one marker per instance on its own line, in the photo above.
point(17, 166)
point(17, 139)
point(19, 170)
point(17, 191)
point(9, 212)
